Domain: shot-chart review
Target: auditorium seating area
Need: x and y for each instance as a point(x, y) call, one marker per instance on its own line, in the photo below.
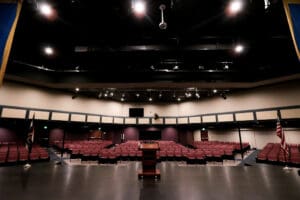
point(105, 152)
point(12, 153)
point(272, 153)
point(84, 149)
point(218, 150)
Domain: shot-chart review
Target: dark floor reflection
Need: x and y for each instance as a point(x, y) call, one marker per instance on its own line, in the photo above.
point(48, 181)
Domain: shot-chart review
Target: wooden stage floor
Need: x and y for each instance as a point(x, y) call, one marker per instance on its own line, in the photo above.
point(47, 181)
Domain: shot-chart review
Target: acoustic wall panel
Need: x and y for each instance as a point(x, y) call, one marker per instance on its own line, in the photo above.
point(265, 115)
point(157, 121)
point(209, 118)
point(13, 113)
point(77, 118)
point(130, 120)
point(60, 116)
point(195, 120)
point(244, 116)
point(107, 120)
point(143, 121)
point(290, 113)
point(43, 115)
point(93, 119)
point(118, 120)
point(225, 118)
point(183, 120)
point(170, 121)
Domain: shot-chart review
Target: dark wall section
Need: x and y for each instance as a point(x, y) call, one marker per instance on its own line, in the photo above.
point(186, 137)
point(131, 133)
point(7, 135)
point(55, 134)
point(170, 134)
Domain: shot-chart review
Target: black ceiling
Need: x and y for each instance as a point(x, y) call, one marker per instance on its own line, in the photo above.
point(100, 43)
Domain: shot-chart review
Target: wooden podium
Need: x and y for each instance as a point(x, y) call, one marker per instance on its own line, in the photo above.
point(149, 161)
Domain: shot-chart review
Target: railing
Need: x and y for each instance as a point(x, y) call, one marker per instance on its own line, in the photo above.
point(288, 112)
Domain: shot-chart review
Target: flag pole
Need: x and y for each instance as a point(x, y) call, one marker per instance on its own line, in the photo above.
point(60, 162)
point(283, 145)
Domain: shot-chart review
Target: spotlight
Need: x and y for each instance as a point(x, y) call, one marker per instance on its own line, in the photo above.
point(176, 67)
point(122, 99)
point(46, 9)
point(178, 99)
point(100, 95)
point(45, 127)
point(77, 89)
point(239, 48)
point(139, 7)
point(111, 94)
point(48, 51)
point(137, 95)
point(160, 95)
point(215, 91)
point(197, 95)
point(235, 7)
point(105, 95)
point(150, 99)
point(226, 66)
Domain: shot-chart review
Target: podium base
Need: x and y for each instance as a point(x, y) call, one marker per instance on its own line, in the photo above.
point(149, 174)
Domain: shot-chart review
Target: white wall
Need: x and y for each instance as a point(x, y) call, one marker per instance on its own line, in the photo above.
point(265, 97)
point(257, 137)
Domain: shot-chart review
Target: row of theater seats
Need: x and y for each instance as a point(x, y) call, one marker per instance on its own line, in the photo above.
point(272, 153)
point(84, 149)
point(220, 150)
point(11, 154)
point(169, 150)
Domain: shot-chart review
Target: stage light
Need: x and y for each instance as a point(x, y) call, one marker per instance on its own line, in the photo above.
point(226, 66)
point(139, 7)
point(197, 95)
point(77, 89)
point(111, 94)
point(122, 99)
point(239, 48)
point(137, 95)
point(150, 99)
point(215, 91)
point(45, 9)
point(48, 51)
point(178, 99)
point(235, 6)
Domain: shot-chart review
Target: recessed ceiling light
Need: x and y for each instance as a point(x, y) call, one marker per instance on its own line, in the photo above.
point(46, 9)
point(239, 48)
point(139, 7)
point(48, 50)
point(235, 6)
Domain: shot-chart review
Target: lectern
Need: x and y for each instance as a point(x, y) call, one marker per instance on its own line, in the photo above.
point(149, 160)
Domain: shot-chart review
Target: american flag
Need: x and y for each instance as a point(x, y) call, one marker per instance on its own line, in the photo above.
point(30, 135)
point(281, 135)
